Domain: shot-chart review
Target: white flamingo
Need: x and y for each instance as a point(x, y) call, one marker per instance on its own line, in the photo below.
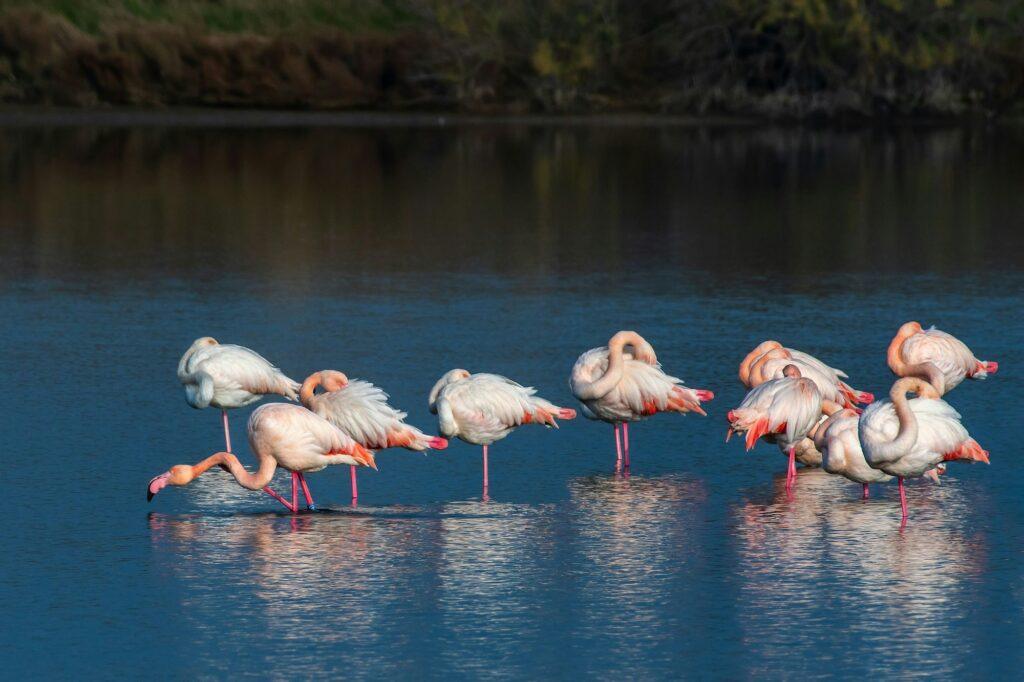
point(781, 411)
point(279, 435)
point(907, 438)
point(620, 386)
point(483, 408)
point(768, 360)
point(361, 410)
point(839, 444)
point(940, 358)
point(229, 376)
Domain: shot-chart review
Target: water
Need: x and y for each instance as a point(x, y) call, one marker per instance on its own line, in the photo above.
point(397, 253)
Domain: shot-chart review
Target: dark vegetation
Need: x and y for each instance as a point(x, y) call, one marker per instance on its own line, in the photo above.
point(777, 58)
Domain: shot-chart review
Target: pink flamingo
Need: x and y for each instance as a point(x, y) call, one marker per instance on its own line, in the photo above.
point(229, 376)
point(768, 360)
point(483, 408)
point(841, 454)
point(619, 386)
point(935, 356)
point(908, 438)
point(361, 410)
point(781, 411)
point(280, 435)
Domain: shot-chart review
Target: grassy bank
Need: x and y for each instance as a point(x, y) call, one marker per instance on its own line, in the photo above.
point(780, 58)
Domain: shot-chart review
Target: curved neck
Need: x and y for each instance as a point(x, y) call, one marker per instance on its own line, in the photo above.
point(753, 355)
point(309, 388)
point(230, 463)
point(923, 370)
point(613, 374)
point(907, 435)
point(757, 376)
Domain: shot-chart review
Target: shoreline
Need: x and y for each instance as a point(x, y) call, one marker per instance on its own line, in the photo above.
point(218, 117)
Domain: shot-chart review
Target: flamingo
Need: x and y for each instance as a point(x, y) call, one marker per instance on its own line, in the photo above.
point(229, 376)
point(280, 435)
point(940, 358)
point(805, 450)
point(782, 411)
point(361, 410)
point(619, 387)
point(837, 441)
point(483, 408)
point(769, 359)
point(907, 438)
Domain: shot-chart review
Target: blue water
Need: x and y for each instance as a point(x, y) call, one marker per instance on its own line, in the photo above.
point(395, 255)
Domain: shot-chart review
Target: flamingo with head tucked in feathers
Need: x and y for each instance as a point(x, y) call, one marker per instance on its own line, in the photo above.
point(229, 376)
point(780, 411)
point(769, 358)
point(619, 386)
point(361, 410)
point(935, 356)
point(280, 435)
point(907, 438)
point(483, 408)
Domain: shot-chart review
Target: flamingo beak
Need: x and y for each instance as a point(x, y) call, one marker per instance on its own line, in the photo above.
point(156, 484)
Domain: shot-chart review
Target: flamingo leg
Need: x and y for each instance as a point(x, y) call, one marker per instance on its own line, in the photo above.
point(485, 471)
point(866, 494)
point(295, 490)
point(227, 431)
point(270, 491)
point(903, 499)
point(618, 450)
point(355, 486)
point(625, 445)
point(791, 471)
point(305, 491)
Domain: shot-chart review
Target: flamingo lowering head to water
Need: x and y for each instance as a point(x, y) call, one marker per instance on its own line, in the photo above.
point(908, 438)
point(620, 386)
point(935, 356)
point(279, 435)
point(768, 360)
point(229, 376)
point(361, 410)
point(484, 408)
point(782, 411)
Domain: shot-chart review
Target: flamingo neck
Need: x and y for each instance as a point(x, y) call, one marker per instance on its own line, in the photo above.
point(753, 355)
point(756, 375)
point(309, 387)
point(612, 375)
point(924, 370)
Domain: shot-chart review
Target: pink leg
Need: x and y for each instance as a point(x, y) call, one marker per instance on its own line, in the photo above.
point(355, 486)
point(485, 470)
point(903, 499)
point(227, 431)
point(791, 471)
point(270, 491)
point(618, 450)
point(625, 445)
point(295, 490)
point(866, 494)
point(305, 491)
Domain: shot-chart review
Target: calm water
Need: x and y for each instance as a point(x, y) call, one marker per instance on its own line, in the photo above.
point(395, 254)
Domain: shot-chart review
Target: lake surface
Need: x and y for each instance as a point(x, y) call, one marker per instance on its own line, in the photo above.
point(395, 253)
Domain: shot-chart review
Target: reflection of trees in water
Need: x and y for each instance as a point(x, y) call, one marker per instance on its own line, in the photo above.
point(285, 201)
point(828, 558)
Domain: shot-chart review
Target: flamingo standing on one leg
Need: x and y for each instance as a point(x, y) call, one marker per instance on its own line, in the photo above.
point(781, 411)
point(908, 438)
point(935, 356)
point(483, 408)
point(619, 386)
point(837, 440)
point(769, 359)
point(229, 376)
point(280, 435)
point(361, 410)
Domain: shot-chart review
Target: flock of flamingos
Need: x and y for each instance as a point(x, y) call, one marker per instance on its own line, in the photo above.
point(794, 401)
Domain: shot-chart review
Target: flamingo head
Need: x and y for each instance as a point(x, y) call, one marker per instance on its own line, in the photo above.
point(909, 329)
point(333, 380)
point(177, 475)
point(791, 371)
point(204, 341)
point(449, 377)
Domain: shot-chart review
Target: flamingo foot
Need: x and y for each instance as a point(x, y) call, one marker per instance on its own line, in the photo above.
point(791, 470)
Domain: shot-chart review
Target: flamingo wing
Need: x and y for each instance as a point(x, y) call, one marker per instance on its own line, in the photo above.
point(361, 410)
point(241, 368)
point(491, 401)
point(300, 439)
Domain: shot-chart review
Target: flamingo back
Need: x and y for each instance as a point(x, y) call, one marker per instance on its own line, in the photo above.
point(239, 376)
point(939, 435)
point(483, 408)
point(361, 410)
point(951, 355)
point(300, 440)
